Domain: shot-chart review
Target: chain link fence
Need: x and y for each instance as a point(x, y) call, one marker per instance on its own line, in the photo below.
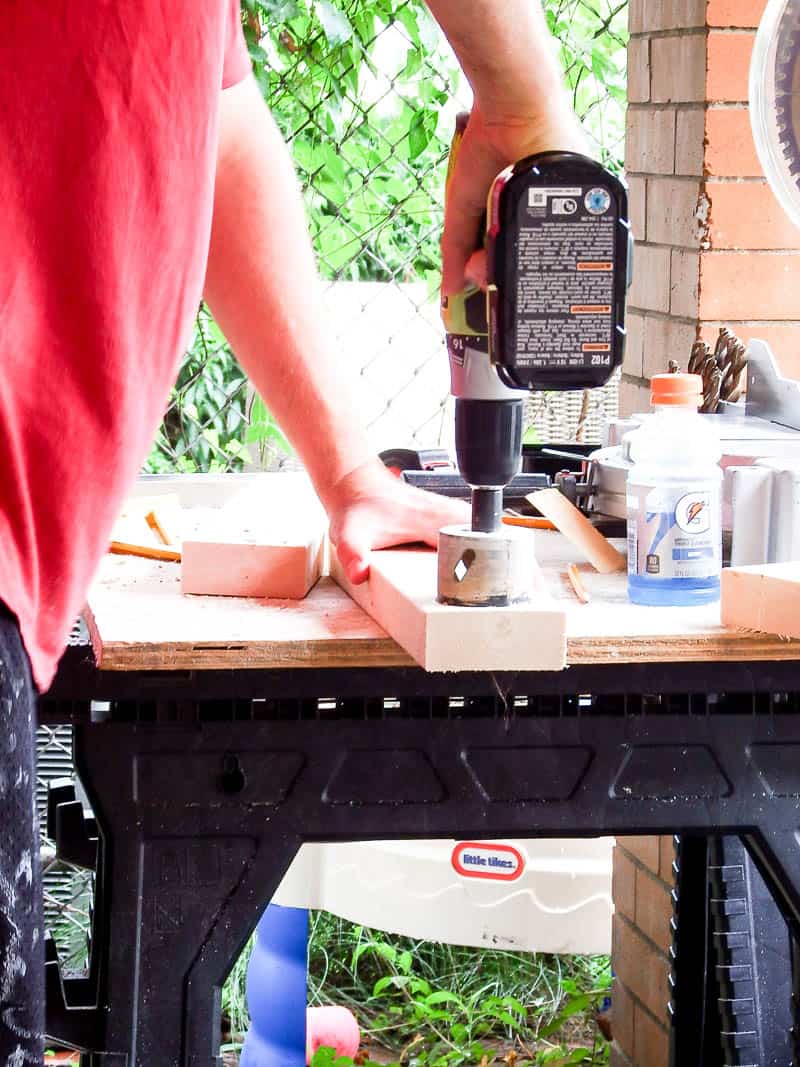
point(366, 93)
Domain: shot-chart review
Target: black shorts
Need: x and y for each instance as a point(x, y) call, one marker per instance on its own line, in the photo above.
point(21, 936)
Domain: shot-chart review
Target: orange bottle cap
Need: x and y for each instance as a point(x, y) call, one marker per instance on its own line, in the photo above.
point(676, 390)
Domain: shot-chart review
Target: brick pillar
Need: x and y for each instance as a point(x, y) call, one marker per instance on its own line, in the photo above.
point(642, 936)
point(714, 246)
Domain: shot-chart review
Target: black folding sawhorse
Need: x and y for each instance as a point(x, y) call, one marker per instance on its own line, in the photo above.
point(204, 784)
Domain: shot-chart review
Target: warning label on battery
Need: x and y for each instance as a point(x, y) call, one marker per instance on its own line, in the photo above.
point(565, 272)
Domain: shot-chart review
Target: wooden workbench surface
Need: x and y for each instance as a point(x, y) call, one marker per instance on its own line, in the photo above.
point(140, 621)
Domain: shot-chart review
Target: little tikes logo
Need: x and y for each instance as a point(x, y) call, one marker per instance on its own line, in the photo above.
point(496, 863)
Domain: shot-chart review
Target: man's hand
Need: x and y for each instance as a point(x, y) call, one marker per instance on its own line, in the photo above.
point(521, 107)
point(370, 508)
point(279, 332)
point(487, 148)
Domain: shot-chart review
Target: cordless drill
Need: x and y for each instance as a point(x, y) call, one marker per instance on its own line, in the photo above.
point(558, 245)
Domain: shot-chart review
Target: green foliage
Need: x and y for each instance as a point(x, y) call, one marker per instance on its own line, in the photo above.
point(592, 37)
point(67, 915)
point(234, 1001)
point(211, 419)
point(433, 1005)
point(360, 88)
point(203, 427)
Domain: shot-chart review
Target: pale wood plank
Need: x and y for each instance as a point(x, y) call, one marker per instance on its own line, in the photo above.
point(401, 596)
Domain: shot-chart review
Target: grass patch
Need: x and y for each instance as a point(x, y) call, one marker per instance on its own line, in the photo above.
point(425, 1004)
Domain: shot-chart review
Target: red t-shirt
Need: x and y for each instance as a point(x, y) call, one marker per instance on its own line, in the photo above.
point(108, 141)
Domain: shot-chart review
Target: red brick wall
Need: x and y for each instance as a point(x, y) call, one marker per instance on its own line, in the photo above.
point(714, 246)
point(642, 936)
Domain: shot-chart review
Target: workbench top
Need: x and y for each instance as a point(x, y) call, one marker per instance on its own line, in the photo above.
point(139, 620)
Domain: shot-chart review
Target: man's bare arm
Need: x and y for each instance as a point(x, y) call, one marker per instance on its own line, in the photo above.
point(263, 288)
point(521, 107)
point(507, 53)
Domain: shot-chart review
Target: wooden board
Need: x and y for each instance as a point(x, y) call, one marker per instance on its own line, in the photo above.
point(140, 621)
point(401, 596)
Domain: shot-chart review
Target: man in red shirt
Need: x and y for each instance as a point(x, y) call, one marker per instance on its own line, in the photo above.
point(140, 168)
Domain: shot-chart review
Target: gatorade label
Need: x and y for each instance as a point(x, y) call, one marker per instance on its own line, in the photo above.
point(674, 533)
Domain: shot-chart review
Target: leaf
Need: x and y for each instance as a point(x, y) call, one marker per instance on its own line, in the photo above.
point(335, 24)
point(337, 246)
point(363, 22)
point(391, 981)
point(420, 131)
point(332, 177)
point(558, 1058)
point(263, 429)
point(458, 1033)
point(515, 1005)
point(414, 61)
point(405, 962)
point(444, 996)
point(573, 1006)
point(280, 10)
point(380, 948)
point(407, 17)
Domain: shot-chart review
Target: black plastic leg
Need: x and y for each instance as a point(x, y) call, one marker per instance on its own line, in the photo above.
point(753, 960)
point(182, 897)
point(695, 1023)
point(777, 856)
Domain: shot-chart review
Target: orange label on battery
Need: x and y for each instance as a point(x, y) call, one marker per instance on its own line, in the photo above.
point(596, 348)
point(590, 309)
point(596, 266)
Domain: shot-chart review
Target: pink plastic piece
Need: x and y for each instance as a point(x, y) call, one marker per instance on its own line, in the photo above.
point(332, 1027)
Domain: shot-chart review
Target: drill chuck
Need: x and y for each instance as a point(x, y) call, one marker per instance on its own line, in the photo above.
point(489, 451)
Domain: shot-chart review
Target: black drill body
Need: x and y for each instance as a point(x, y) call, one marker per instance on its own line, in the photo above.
point(558, 249)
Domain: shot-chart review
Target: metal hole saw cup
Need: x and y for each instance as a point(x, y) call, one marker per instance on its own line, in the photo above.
point(490, 570)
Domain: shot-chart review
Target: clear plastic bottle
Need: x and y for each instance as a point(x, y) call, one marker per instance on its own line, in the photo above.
point(674, 499)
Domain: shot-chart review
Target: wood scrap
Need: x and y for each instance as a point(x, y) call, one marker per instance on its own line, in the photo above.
point(764, 599)
point(528, 522)
point(164, 555)
point(576, 527)
point(155, 524)
point(133, 525)
point(577, 583)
